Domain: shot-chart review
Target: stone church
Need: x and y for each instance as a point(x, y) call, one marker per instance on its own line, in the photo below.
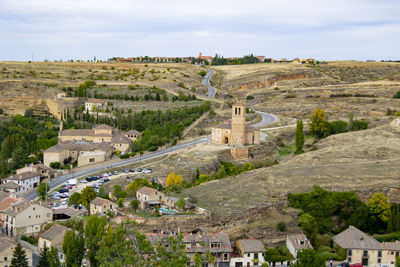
point(236, 132)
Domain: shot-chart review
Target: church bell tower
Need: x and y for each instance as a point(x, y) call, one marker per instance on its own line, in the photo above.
point(238, 132)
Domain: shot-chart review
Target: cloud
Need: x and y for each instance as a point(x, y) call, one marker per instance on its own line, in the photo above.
point(54, 29)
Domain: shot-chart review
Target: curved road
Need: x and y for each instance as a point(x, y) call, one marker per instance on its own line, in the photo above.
point(265, 117)
point(62, 179)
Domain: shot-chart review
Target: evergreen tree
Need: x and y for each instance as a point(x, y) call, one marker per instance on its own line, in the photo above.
point(221, 173)
point(299, 137)
point(74, 248)
point(19, 257)
point(94, 232)
point(43, 261)
point(19, 157)
point(52, 257)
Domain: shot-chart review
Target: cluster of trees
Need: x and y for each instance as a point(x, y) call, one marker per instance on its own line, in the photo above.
point(105, 245)
point(220, 60)
point(226, 169)
point(22, 139)
point(183, 97)
point(159, 128)
point(320, 206)
point(320, 127)
point(84, 198)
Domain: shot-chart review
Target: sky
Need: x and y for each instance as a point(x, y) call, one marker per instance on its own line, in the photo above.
point(82, 29)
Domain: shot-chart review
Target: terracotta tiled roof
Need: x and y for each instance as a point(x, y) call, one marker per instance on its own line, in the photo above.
point(251, 245)
point(3, 195)
point(352, 238)
point(6, 203)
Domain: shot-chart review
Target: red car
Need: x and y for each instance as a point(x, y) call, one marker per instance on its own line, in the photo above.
point(356, 265)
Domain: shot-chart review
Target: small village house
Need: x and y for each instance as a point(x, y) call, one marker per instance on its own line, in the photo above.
point(364, 249)
point(250, 252)
point(149, 197)
point(95, 104)
point(54, 236)
point(13, 188)
point(296, 243)
point(101, 205)
point(25, 218)
point(7, 246)
point(27, 180)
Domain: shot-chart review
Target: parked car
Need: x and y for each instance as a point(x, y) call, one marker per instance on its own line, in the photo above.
point(115, 173)
point(139, 169)
point(110, 174)
point(356, 265)
point(63, 190)
point(132, 170)
point(55, 197)
point(64, 202)
point(69, 186)
point(147, 171)
point(106, 179)
point(344, 264)
point(83, 181)
point(126, 171)
point(64, 195)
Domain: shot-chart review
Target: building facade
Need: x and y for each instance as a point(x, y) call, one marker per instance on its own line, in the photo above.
point(27, 180)
point(237, 132)
point(7, 246)
point(101, 205)
point(296, 243)
point(250, 252)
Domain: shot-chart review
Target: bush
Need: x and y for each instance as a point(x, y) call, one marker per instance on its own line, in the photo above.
point(55, 165)
point(1, 111)
point(281, 226)
point(124, 156)
point(397, 95)
point(250, 97)
point(389, 112)
point(202, 73)
point(121, 202)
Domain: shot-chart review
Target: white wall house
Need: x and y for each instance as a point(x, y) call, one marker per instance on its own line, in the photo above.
point(27, 180)
point(296, 243)
point(250, 252)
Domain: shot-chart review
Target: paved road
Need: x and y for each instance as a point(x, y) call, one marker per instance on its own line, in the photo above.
point(265, 117)
point(206, 82)
point(62, 179)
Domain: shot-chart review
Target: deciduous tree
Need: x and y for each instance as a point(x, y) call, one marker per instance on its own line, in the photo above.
point(317, 125)
point(299, 137)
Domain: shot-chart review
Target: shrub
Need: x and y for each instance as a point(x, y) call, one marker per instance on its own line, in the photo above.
point(389, 112)
point(121, 202)
point(202, 73)
point(250, 97)
point(281, 226)
point(55, 165)
point(397, 95)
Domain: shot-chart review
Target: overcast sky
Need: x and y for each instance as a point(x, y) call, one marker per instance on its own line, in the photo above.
point(81, 29)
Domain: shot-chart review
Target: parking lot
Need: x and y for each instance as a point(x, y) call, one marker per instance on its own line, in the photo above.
point(60, 197)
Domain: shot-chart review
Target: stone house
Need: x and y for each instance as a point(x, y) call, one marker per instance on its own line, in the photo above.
point(95, 104)
point(25, 218)
point(54, 236)
point(72, 150)
point(364, 249)
point(296, 243)
point(101, 205)
point(7, 246)
point(5, 202)
point(27, 180)
point(132, 134)
point(43, 171)
point(149, 196)
point(217, 243)
point(250, 253)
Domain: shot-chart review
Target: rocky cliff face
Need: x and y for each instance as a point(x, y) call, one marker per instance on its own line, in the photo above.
point(268, 79)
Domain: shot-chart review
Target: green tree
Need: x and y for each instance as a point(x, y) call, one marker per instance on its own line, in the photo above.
point(221, 173)
point(309, 225)
point(74, 199)
point(94, 232)
point(19, 258)
point(309, 258)
point(87, 195)
point(397, 261)
point(52, 257)
point(42, 190)
point(74, 248)
point(135, 204)
point(299, 137)
point(317, 124)
point(19, 157)
point(180, 204)
point(43, 261)
point(379, 206)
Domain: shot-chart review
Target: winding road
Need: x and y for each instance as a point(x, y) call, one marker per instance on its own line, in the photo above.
point(265, 117)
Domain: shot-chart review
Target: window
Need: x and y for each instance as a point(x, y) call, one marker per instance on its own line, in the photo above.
point(91, 160)
point(391, 253)
point(365, 253)
point(349, 252)
point(397, 254)
point(235, 111)
point(349, 259)
point(379, 260)
point(379, 254)
point(248, 254)
point(5, 258)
